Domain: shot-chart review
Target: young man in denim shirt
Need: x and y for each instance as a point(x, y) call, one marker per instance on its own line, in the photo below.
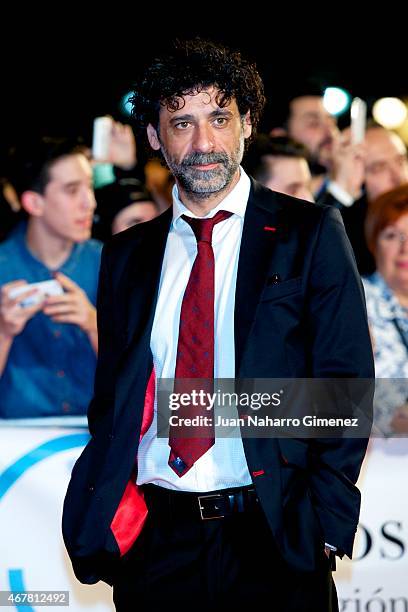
point(48, 349)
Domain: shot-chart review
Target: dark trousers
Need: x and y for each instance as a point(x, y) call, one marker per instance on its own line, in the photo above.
point(215, 565)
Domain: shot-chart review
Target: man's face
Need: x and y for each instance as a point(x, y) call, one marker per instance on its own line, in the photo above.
point(386, 162)
point(311, 125)
point(68, 201)
point(290, 175)
point(391, 254)
point(202, 143)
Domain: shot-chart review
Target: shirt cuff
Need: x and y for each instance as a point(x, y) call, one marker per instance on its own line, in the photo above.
point(330, 547)
point(340, 194)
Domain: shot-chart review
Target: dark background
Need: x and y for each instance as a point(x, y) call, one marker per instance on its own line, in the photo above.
point(58, 75)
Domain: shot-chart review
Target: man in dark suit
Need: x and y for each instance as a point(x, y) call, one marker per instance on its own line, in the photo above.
point(236, 282)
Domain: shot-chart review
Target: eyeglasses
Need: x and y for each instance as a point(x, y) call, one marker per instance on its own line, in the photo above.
point(392, 236)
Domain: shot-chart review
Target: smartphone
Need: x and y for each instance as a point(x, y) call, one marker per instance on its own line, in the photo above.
point(44, 289)
point(358, 113)
point(101, 139)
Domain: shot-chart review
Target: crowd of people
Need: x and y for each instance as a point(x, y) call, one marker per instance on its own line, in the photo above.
point(55, 215)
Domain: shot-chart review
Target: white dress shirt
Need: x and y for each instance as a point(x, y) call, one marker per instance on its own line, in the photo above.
point(224, 464)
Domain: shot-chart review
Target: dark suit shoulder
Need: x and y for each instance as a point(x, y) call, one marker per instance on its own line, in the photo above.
point(295, 210)
point(123, 243)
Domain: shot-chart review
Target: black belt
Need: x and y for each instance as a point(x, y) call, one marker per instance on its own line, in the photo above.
point(200, 506)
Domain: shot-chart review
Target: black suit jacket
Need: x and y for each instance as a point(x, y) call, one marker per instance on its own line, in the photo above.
point(311, 324)
point(354, 220)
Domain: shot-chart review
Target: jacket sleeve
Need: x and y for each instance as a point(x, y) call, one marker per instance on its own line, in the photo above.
point(340, 349)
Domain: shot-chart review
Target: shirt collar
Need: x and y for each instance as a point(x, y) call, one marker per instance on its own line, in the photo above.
point(235, 202)
point(19, 237)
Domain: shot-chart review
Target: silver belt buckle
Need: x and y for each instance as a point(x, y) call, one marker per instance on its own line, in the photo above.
point(202, 508)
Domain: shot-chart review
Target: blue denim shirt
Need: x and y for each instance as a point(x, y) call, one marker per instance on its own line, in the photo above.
point(51, 366)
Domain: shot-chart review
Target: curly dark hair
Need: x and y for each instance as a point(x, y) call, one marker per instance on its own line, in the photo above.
point(190, 67)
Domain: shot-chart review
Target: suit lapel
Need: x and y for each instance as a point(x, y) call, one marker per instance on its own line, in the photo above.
point(143, 274)
point(257, 246)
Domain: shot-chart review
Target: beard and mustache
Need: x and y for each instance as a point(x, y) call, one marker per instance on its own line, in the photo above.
point(199, 184)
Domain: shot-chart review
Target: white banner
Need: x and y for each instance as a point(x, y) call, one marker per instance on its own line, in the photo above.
point(377, 578)
point(35, 464)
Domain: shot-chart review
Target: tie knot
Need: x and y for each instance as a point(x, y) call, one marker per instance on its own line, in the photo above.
point(203, 228)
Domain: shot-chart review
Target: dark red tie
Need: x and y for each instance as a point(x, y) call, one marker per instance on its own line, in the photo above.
point(195, 349)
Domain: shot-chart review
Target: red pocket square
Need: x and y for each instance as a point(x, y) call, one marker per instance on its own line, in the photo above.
point(132, 511)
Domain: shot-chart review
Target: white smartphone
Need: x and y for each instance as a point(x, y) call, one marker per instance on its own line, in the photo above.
point(44, 289)
point(358, 113)
point(101, 140)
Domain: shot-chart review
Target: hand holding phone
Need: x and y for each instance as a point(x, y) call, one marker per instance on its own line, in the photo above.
point(21, 301)
point(42, 290)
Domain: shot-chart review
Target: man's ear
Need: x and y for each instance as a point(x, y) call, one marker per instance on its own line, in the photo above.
point(33, 203)
point(247, 123)
point(153, 138)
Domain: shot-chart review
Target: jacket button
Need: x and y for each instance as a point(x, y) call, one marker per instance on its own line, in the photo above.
point(111, 436)
point(91, 488)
